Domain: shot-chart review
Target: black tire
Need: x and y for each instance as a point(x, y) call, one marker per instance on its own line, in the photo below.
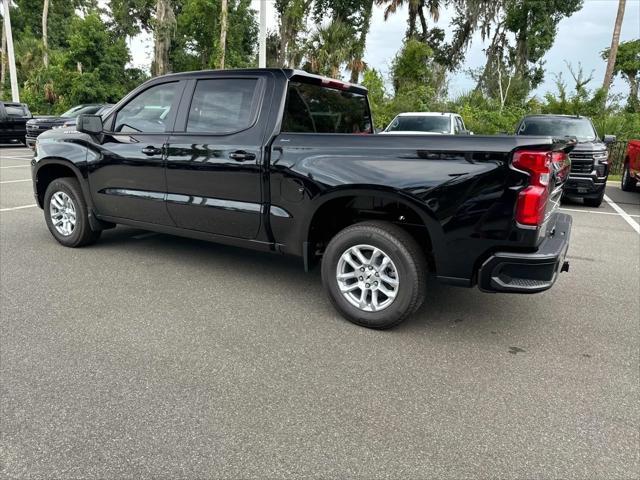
point(594, 202)
point(628, 184)
point(406, 255)
point(82, 233)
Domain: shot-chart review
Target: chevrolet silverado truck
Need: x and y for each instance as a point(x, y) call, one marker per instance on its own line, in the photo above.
point(42, 123)
point(286, 162)
point(589, 157)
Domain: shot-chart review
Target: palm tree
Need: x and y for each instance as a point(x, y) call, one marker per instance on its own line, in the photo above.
point(331, 47)
point(416, 11)
point(613, 51)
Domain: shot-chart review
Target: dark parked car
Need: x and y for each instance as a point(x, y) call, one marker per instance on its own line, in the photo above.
point(589, 158)
point(268, 159)
point(13, 119)
point(71, 122)
point(41, 124)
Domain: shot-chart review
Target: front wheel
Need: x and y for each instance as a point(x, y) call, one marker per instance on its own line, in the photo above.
point(66, 213)
point(375, 274)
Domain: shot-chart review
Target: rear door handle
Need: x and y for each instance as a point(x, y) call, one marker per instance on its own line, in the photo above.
point(241, 156)
point(151, 150)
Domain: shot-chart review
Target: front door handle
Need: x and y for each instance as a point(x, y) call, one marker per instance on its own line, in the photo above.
point(241, 156)
point(151, 150)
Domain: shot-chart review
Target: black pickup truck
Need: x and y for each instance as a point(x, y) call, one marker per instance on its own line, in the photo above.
point(589, 157)
point(13, 118)
point(287, 162)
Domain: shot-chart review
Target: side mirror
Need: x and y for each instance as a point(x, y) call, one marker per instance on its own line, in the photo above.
point(90, 124)
point(609, 139)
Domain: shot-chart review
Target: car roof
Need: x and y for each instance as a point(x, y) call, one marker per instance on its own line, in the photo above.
point(289, 73)
point(425, 114)
point(553, 115)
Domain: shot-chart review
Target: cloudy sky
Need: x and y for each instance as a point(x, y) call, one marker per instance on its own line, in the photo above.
point(580, 39)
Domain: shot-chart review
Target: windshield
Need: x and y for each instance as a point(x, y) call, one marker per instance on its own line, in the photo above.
point(433, 124)
point(16, 110)
point(581, 128)
point(79, 110)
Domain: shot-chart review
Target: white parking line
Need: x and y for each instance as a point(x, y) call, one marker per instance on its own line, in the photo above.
point(593, 211)
point(15, 181)
point(623, 214)
point(17, 208)
point(17, 166)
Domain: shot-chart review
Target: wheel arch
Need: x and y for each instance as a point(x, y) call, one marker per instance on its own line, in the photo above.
point(339, 208)
point(49, 169)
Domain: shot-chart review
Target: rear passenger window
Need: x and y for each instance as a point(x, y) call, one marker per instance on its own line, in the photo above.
point(222, 105)
point(317, 109)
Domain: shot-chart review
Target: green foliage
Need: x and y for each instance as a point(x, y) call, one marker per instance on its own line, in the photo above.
point(198, 34)
point(412, 66)
point(130, 17)
point(329, 49)
point(90, 68)
point(628, 66)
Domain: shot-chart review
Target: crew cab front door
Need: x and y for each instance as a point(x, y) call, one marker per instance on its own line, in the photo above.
point(127, 171)
point(214, 157)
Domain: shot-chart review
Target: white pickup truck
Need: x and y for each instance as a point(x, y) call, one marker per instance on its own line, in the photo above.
point(427, 123)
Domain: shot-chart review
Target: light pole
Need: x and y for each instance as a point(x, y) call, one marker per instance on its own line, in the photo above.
point(262, 53)
point(15, 94)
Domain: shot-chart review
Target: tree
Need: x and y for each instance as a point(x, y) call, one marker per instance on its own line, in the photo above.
point(3, 61)
point(412, 66)
point(615, 40)
point(329, 48)
point(378, 99)
point(45, 42)
point(628, 66)
point(195, 45)
point(224, 10)
point(416, 11)
point(357, 15)
point(163, 31)
point(292, 15)
point(521, 32)
point(130, 17)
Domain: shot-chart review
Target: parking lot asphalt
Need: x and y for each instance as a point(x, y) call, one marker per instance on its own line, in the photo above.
point(148, 355)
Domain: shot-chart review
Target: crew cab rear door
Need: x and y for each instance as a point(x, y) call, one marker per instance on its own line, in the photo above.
point(214, 155)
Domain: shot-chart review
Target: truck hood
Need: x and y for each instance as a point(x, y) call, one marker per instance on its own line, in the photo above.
point(48, 120)
point(60, 134)
point(595, 146)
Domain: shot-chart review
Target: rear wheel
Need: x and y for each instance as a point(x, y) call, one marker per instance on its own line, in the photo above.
point(628, 183)
point(66, 213)
point(375, 274)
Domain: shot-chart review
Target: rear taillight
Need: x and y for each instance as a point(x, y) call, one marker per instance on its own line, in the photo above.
point(562, 166)
point(532, 200)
